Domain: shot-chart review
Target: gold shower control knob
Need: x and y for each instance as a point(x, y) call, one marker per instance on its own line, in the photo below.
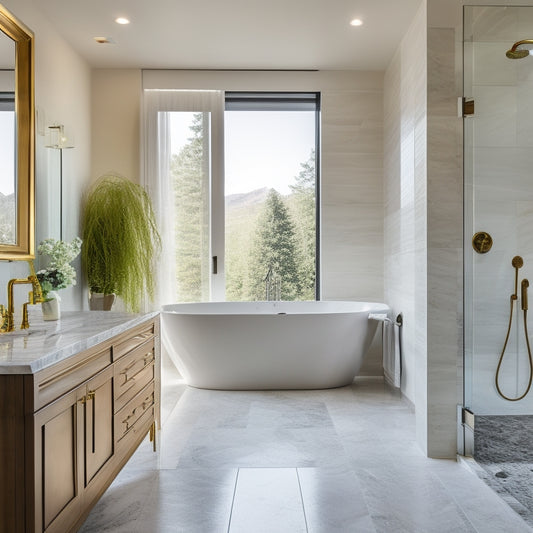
point(482, 242)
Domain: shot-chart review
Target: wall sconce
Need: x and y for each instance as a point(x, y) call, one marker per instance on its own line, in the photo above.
point(57, 139)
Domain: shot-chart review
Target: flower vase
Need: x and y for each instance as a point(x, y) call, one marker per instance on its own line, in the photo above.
point(51, 309)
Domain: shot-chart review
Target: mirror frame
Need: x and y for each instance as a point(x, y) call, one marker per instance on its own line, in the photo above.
point(24, 248)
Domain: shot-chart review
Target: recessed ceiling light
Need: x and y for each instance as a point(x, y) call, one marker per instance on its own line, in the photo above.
point(122, 20)
point(356, 22)
point(104, 40)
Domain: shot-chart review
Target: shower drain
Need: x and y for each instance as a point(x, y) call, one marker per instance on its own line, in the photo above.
point(502, 474)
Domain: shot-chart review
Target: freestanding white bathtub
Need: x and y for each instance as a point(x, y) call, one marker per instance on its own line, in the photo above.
point(269, 345)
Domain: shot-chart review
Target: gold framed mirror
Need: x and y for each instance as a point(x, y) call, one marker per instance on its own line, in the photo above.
point(17, 189)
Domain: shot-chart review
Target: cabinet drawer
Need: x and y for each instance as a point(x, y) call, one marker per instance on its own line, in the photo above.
point(126, 418)
point(133, 372)
point(140, 336)
point(59, 379)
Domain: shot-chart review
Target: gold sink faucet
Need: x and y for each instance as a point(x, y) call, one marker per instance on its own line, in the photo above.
point(35, 296)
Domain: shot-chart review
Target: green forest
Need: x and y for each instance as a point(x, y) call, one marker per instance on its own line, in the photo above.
point(264, 231)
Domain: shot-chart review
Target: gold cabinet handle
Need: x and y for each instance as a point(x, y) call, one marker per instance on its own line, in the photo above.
point(129, 380)
point(128, 368)
point(89, 396)
point(148, 358)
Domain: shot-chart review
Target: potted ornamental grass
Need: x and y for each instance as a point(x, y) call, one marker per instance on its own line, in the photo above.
point(59, 274)
point(120, 243)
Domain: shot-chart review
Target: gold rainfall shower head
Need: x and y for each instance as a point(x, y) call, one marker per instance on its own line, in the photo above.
point(514, 53)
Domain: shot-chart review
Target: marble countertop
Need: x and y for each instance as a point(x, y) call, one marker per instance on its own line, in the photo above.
point(47, 343)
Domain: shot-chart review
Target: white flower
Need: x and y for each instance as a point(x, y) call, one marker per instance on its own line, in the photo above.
point(60, 273)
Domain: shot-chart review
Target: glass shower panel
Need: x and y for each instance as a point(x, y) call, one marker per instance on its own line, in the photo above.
point(498, 160)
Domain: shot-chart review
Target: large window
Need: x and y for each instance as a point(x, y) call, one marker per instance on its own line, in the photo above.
point(270, 196)
point(241, 190)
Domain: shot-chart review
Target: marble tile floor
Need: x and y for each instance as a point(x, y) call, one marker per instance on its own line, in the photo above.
point(339, 460)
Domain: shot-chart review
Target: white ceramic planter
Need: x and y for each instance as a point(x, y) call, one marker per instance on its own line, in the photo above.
point(99, 301)
point(51, 309)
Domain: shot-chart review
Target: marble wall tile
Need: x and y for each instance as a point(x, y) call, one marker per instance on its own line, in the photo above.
point(352, 198)
point(490, 66)
point(406, 219)
point(496, 115)
point(444, 246)
point(493, 23)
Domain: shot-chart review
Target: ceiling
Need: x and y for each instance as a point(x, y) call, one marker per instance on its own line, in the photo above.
point(234, 34)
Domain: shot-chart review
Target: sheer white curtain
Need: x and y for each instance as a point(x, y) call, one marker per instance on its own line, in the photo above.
point(156, 177)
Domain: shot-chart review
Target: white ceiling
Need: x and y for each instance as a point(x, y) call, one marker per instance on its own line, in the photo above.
point(234, 34)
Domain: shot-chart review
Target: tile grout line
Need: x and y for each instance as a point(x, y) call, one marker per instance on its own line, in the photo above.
point(302, 499)
point(459, 503)
point(233, 499)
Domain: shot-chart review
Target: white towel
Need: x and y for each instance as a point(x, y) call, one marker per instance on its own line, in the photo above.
point(391, 353)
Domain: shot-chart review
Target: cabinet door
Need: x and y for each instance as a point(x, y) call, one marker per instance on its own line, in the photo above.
point(98, 423)
point(58, 473)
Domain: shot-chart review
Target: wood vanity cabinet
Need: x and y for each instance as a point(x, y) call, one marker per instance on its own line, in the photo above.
point(76, 425)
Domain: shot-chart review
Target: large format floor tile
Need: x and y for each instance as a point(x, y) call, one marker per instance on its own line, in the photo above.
point(341, 460)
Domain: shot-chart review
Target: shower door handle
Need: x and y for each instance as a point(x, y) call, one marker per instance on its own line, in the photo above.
point(215, 264)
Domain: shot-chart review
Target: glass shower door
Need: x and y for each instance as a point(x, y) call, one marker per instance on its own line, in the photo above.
point(498, 160)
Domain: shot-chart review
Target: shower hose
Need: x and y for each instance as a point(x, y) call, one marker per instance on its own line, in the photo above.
point(517, 263)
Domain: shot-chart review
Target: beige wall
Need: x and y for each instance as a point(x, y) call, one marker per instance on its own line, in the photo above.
point(115, 122)
point(62, 95)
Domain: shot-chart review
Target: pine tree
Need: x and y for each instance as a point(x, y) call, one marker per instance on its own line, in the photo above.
point(304, 213)
point(274, 247)
point(191, 190)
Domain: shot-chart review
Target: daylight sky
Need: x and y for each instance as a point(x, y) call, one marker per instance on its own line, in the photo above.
point(262, 148)
point(7, 151)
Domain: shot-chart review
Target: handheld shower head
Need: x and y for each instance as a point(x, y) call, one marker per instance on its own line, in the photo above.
point(514, 53)
point(525, 285)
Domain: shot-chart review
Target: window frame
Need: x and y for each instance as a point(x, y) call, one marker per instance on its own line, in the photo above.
point(288, 101)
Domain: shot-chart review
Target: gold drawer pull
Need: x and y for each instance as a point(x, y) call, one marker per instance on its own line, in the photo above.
point(148, 358)
point(129, 367)
point(148, 401)
point(89, 396)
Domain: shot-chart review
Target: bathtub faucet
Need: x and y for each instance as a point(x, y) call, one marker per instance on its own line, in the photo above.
point(272, 286)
